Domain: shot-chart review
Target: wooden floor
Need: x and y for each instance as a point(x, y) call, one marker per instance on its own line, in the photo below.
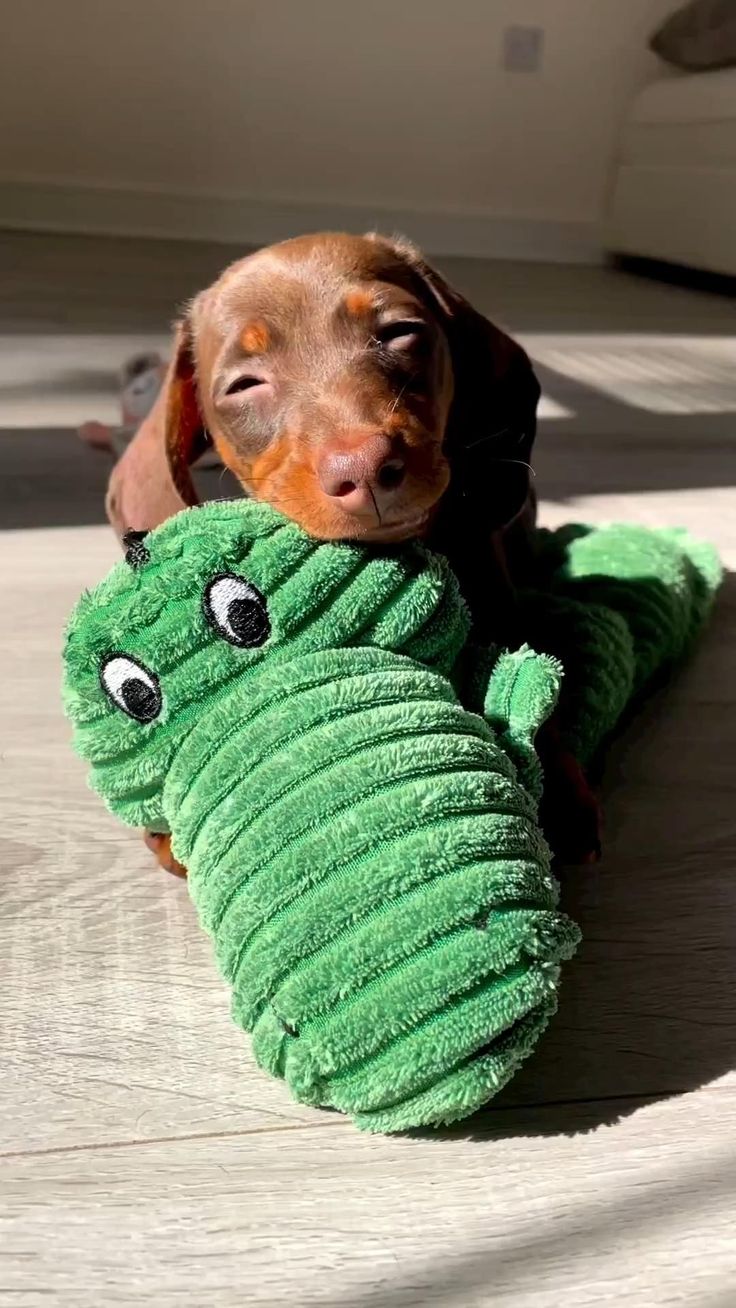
point(145, 1158)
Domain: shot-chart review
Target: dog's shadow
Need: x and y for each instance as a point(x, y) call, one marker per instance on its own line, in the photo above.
point(648, 1005)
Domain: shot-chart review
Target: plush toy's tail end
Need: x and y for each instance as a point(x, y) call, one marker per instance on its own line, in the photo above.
point(660, 581)
point(620, 605)
point(706, 575)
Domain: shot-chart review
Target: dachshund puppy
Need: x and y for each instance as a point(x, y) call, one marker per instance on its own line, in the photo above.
point(342, 380)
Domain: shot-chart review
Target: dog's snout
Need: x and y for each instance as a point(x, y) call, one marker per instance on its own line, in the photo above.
point(362, 477)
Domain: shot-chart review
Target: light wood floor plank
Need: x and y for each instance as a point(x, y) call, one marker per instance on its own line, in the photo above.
point(319, 1217)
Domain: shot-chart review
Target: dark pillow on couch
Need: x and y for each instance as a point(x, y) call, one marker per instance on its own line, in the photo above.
point(699, 36)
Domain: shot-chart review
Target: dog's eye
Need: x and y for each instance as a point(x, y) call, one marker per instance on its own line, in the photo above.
point(132, 687)
point(236, 610)
point(243, 384)
point(400, 335)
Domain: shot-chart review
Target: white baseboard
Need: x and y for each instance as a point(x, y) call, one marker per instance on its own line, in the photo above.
point(73, 207)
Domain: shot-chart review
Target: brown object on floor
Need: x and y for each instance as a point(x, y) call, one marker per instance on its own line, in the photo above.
point(145, 484)
point(160, 846)
point(570, 812)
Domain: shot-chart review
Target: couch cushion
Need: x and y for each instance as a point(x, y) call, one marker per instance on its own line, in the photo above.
point(701, 98)
point(683, 122)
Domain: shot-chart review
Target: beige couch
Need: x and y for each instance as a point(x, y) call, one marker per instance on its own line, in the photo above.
point(674, 188)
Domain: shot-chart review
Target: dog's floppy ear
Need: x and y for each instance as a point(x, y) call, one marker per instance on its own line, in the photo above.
point(492, 421)
point(152, 480)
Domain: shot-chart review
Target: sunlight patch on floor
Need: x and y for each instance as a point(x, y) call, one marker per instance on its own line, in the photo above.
point(60, 380)
point(660, 374)
point(549, 410)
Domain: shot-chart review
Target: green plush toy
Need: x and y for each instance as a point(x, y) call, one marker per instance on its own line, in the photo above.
point(618, 606)
point(363, 849)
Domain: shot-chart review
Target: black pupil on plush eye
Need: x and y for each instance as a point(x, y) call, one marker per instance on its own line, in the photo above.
point(236, 610)
point(248, 622)
point(140, 699)
point(132, 687)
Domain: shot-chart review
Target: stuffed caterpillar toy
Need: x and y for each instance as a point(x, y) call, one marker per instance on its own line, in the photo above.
point(362, 848)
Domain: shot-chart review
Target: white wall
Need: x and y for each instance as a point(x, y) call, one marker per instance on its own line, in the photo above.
point(395, 105)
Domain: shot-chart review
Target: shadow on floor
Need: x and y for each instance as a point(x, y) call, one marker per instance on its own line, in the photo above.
point(606, 446)
point(675, 274)
point(57, 284)
point(507, 1265)
point(108, 284)
point(52, 479)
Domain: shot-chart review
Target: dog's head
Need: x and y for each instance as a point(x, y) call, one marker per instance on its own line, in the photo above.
point(342, 380)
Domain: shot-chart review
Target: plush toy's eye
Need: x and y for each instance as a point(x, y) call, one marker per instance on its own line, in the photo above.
point(131, 687)
point(236, 609)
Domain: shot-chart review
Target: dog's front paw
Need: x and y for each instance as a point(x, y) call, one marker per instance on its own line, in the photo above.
point(570, 812)
point(160, 847)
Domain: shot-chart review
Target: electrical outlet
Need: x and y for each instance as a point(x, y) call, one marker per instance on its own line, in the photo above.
point(522, 49)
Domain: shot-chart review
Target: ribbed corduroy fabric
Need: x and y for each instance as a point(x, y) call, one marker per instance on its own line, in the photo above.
point(622, 604)
point(363, 850)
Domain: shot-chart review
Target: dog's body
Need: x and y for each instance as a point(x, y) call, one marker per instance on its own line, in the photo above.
point(341, 379)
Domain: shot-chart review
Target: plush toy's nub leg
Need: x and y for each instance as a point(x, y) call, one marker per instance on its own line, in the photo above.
point(522, 692)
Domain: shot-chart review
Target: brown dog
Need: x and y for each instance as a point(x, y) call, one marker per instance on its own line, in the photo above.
point(342, 380)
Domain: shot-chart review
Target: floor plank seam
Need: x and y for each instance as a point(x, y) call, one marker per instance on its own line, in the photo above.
point(482, 1127)
point(172, 1139)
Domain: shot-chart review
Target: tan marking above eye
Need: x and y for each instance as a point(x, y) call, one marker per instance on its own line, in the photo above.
point(255, 338)
point(359, 303)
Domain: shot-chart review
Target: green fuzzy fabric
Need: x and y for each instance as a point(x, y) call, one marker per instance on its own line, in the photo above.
point(363, 849)
point(620, 606)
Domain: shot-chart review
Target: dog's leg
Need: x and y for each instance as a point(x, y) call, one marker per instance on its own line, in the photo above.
point(570, 813)
point(160, 847)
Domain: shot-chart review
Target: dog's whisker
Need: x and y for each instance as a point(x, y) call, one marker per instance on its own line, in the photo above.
point(375, 503)
point(489, 437)
point(398, 398)
point(521, 462)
